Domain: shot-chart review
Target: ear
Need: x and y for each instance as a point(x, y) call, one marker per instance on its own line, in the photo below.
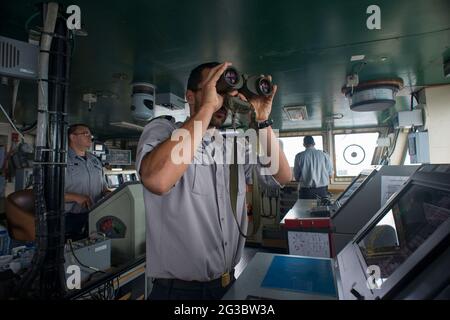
point(70, 138)
point(190, 97)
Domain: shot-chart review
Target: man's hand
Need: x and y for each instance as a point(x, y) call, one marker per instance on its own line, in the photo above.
point(263, 105)
point(82, 200)
point(210, 98)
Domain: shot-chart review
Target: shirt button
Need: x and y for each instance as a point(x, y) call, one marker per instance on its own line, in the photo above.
point(226, 243)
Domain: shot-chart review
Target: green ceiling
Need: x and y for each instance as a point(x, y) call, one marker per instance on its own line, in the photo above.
point(305, 45)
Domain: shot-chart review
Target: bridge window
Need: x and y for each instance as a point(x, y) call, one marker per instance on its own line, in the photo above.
point(294, 145)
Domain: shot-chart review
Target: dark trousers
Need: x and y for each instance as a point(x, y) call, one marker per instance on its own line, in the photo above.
point(171, 289)
point(77, 225)
point(313, 193)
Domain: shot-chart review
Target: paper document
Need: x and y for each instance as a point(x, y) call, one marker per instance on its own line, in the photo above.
point(309, 244)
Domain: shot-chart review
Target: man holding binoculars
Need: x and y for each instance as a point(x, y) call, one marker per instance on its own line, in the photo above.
point(196, 223)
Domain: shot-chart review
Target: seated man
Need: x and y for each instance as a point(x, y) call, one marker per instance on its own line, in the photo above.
point(84, 182)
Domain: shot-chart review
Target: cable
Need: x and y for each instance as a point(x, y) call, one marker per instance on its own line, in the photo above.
point(16, 84)
point(395, 144)
point(239, 227)
point(361, 65)
point(11, 122)
point(30, 19)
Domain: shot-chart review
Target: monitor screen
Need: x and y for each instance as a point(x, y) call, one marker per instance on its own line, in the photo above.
point(113, 180)
point(99, 147)
point(404, 227)
point(352, 188)
point(119, 157)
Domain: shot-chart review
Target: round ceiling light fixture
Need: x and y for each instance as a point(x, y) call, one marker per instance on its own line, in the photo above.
point(375, 95)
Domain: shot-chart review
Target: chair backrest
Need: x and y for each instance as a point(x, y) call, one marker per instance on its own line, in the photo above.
point(20, 210)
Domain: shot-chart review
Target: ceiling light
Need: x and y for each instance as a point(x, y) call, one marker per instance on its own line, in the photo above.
point(357, 57)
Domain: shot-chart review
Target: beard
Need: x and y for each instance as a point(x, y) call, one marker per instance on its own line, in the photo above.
point(218, 118)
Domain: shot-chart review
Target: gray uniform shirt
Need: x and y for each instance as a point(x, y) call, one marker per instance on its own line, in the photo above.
point(312, 168)
point(191, 231)
point(83, 176)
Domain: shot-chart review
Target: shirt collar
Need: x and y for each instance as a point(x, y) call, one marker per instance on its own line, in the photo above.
point(72, 154)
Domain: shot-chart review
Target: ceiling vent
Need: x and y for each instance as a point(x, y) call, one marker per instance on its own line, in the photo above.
point(296, 113)
point(376, 95)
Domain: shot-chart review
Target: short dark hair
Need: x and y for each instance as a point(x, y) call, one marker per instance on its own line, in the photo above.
point(308, 141)
point(196, 75)
point(74, 127)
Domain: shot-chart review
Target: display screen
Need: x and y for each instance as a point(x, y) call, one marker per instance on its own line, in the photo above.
point(406, 225)
point(113, 180)
point(352, 188)
point(99, 147)
point(119, 157)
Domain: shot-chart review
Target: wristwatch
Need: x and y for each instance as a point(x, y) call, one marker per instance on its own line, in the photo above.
point(265, 124)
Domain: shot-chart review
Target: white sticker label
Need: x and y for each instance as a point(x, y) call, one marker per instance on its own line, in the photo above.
point(103, 247)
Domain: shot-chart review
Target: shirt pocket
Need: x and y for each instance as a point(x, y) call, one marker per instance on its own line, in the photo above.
point(71, 179)
point(98, 169)
point(202, 180)
point(70, 171)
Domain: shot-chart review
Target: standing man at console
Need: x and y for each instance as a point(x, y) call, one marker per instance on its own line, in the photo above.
point(313, 170)
point(84, 181)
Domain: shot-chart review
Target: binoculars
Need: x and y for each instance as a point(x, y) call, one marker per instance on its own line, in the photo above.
point(249, 86)
point(242, 113)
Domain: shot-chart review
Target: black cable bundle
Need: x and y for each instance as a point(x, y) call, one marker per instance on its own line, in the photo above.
point(46, 277)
